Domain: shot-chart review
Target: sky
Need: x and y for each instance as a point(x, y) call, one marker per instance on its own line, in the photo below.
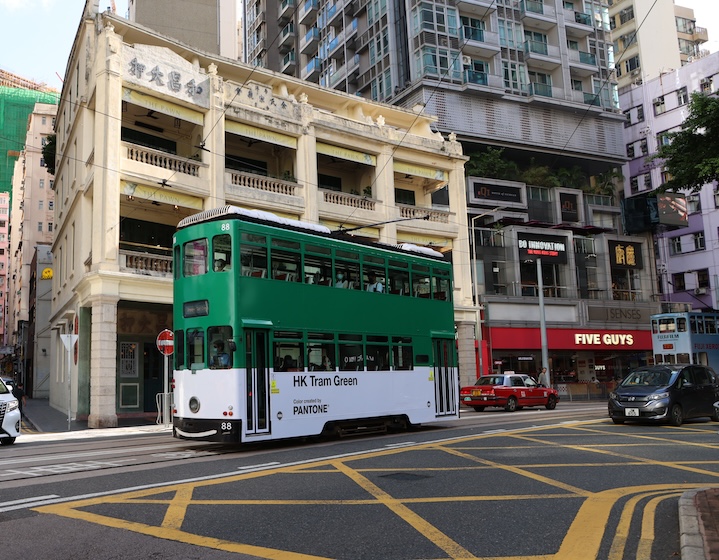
point(37, 34)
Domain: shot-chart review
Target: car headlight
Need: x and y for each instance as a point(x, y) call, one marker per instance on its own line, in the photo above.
point(613, 395)
point(658, 396)
point(12, 405)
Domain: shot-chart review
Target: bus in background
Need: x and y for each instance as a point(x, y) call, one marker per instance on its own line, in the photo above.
point(284, 329)
point(686, 337)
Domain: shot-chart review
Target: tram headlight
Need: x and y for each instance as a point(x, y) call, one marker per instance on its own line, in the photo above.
point(194, 405)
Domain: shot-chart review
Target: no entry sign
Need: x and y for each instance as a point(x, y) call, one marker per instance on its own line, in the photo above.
point(166, 342)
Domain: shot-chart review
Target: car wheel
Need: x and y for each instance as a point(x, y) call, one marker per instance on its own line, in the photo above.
point(7, 441)
point(511, 405)
point(676, 416)
point(551, 403)
point(617, 420)
point(478, 408)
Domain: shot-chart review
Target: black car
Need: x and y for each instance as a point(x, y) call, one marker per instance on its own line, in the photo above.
point(666, 393)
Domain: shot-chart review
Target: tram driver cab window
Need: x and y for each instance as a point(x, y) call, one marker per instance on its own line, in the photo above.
point(221, 347)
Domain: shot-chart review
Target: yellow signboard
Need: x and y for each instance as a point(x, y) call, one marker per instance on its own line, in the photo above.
point(159, 194)
point(162, 106)
point(261, 134)
point(420, 171)
point(344, 153)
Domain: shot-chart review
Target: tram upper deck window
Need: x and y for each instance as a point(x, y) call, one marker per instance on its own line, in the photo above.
point(667, 325)
point(222, 253)
point(318, 265)
point(286, 263)
point(195, 257)
point(253, 255)
point(441, 287)
point(398, 282)
point(710, 324)
point(420, 281)
point(347, 264)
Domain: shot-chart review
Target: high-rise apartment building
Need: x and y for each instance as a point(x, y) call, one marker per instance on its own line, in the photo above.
point(686, 240)
point(652, 37)
point(31, 224)
point(535, 79)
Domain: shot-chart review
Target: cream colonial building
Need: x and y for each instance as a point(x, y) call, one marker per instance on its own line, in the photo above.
point(150, 131)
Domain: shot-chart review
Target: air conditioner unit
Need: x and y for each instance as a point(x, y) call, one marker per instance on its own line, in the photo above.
point(467, 60)
point(700, 291)
point(636, 72)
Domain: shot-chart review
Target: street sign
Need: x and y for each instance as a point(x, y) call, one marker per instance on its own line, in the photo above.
point(166, 342)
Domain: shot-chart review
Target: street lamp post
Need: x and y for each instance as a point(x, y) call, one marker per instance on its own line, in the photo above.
point(475, 284)
point(543, 322)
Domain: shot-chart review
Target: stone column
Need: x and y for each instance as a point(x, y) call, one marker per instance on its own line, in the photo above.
point(103, 363)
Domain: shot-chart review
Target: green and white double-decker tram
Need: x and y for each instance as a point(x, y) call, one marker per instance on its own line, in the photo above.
point(284, 329)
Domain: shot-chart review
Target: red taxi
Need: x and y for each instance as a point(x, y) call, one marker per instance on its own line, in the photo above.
point(512, 391)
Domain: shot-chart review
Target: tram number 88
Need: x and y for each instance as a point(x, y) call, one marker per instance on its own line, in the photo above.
point(226, 426)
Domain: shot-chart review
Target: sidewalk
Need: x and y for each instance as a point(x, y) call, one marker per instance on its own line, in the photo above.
point(45, 419)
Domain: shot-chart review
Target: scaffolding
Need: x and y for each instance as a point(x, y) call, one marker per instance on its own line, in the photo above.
point(16, 105)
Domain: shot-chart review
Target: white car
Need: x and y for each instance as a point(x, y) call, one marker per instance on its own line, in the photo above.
point(9, 416)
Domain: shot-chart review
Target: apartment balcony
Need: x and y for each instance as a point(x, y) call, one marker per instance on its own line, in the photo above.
point(148, 162)
point(287, 38)
point(309, 42)
point(146, 264)
point(481, 43)
point(578, 24)
point(307, 12)
point(333, 16)
point(312, 70)
point(537, 14)
point(351, 34)
point(268, 193)
point(287, 9)
point(476, 8)
point(541, 55)
point(582, 63)
point(701, 35)
point(544, 90)
point(587, 98)
point(289, 63)
point(483, 79)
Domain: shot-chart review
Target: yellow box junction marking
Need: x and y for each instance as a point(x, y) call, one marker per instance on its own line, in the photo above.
point(582, 540)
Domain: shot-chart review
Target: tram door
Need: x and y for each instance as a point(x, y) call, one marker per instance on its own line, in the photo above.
point(445, 377)
point(258, 380)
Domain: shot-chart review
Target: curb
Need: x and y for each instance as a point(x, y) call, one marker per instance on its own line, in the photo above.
point(691, 539)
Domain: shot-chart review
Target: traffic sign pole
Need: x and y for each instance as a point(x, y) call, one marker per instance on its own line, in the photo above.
point(166, 345)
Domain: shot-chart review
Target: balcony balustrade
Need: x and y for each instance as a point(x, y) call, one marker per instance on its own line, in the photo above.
point(347, 199)
point(419, 213)
point(145, 264)
point(163, 160)
point(263, 183)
